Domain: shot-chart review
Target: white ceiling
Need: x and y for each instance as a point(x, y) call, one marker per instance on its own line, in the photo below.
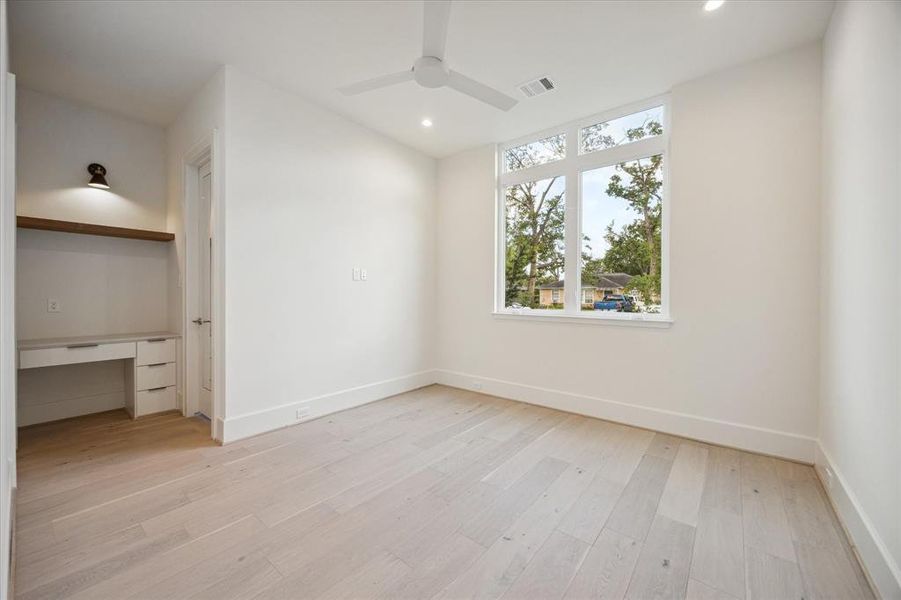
point(146, 58)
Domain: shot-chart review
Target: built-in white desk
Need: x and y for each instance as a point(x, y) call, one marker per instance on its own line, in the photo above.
point(150, 369)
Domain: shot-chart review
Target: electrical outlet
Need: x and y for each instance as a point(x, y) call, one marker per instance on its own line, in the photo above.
point(53, 305)
point(301, 414)
point(363, 275)
point(476, 385)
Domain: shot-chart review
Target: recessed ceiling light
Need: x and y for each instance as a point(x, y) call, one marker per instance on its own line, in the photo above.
point(426, 122)
point(711, 5)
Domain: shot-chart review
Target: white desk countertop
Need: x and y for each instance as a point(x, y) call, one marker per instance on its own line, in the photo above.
point(40, 343)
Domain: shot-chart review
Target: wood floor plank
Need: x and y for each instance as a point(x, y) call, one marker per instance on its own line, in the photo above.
point(439, 568)
point(145, 576)
point(607, 569)
point(663, 565)
point(718, 552)
point(623, 450)
point(496, 570)
point(433, 493)
point(490, 523)
point(701, 591)
point(681, 497)
point(722, 486)
point(770, 577)
point(416, 545)
point(826, 573)
point(84, 578)
point(718, 555)
point(551, 570)
point(765, 523)
point(664, 445)
point(589, 514)
point(634, 511)
point(377, 579)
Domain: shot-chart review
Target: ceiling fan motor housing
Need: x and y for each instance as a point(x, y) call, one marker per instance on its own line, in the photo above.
point(430, 72)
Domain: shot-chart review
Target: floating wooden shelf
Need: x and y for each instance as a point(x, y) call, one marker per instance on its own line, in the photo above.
point(89, 229)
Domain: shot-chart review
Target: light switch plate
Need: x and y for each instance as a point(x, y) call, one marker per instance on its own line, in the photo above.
point(356, 274)
point(53, 305)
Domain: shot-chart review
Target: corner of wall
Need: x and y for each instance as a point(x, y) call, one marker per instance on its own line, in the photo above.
point(871, 550)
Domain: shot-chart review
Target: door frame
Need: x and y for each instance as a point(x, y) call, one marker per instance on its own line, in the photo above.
point(205, 150)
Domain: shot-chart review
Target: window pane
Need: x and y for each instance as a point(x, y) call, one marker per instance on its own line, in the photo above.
point(535, 153)
point(534, 249)
point(648, 123)
point(621, 225)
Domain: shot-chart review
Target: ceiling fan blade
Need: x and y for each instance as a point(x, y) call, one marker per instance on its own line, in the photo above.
point(480, 91)
point(376, 83)
point(436, 14)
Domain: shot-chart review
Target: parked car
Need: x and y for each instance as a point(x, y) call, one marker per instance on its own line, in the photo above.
point(617, 302)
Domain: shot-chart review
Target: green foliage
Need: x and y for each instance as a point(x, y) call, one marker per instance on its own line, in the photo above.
point(534, 226)
point(635, 248)
point(628, 251)
point(646, 286)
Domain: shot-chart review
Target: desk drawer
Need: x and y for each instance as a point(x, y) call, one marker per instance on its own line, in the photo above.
point(154, 401)
point(154, 376)
point(151, 352)
point(48, 357)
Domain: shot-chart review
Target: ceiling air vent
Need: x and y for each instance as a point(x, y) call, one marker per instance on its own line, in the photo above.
point(536, 87)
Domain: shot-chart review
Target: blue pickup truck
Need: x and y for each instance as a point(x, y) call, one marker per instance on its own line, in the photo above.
point(617, 302)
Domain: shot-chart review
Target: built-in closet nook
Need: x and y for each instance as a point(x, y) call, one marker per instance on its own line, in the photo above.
point(97, 309)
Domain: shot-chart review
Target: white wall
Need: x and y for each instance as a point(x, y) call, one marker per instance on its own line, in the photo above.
point(60, 138)
point(7, 310)
point(310, 196)
point(104, 285)
point(739, 365)
point(860, 406)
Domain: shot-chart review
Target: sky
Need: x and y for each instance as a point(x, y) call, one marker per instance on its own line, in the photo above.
point(599, 209)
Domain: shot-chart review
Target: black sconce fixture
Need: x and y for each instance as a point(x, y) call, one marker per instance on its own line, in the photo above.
point(98, 176)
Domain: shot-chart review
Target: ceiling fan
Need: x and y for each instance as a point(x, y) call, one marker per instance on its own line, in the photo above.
point(429, 70)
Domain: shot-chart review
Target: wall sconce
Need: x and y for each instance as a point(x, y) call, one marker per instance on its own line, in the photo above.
point(98, 176)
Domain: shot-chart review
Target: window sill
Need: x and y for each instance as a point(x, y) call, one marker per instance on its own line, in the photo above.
point(612, 318)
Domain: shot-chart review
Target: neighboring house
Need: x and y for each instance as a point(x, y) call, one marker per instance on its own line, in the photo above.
point(606, 283)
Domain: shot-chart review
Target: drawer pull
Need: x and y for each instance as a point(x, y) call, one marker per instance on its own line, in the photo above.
point(156, 389)
point(82, 346)
point(155, 340)
point(162, 364)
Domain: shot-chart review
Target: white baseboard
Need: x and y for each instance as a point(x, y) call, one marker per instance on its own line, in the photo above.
point(744, 437)
point(882, 570)
point(735, 435)
point(242, 426)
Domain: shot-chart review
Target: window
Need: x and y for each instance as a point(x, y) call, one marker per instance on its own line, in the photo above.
point(582, 219)
point(534, 241)
point(624, 130)
point(621, 230)
point(535, 153)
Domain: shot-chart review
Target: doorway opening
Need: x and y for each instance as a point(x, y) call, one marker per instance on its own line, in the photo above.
point(202, 256)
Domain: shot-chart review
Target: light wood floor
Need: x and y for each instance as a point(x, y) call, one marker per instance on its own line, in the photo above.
point(435, 493)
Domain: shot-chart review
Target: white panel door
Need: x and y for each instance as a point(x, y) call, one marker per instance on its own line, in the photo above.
point(204, 238)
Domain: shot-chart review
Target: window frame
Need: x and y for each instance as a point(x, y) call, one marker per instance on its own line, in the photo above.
point(572, 166)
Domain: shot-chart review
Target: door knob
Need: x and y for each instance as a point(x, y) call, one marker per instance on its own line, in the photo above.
point(200, 321)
